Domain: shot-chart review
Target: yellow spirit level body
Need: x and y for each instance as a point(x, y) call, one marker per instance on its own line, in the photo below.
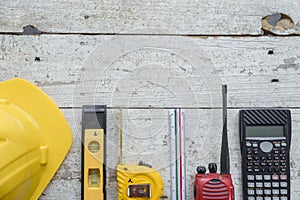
point(138, 182)
point(93, 152)
point(93, 165)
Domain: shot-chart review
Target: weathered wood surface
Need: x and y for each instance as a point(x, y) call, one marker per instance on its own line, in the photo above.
point(220, 17)
point(146, 137)
point(138, 69)
point(155, 71)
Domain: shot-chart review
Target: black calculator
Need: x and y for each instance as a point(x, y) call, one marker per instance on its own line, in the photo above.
point(265, 136)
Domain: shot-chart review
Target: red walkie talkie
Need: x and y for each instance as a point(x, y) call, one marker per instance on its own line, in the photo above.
point(213, 185)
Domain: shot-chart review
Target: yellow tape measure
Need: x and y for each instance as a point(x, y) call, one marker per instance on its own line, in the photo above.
point(137, 182)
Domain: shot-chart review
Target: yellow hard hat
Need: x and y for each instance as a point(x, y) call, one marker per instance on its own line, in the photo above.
point(34, 140)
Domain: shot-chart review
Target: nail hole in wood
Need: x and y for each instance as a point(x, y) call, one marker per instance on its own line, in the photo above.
point(37, 59)
point(274, 80)
point(270, 52)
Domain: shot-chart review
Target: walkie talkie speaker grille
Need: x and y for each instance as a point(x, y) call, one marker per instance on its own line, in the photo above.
point(215, 189)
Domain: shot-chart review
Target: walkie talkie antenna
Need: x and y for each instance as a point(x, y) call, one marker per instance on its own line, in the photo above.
point(224, 162)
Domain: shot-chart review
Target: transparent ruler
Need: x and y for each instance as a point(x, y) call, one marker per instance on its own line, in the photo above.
point(178, 164)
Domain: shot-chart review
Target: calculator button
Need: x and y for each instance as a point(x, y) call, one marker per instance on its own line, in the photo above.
point(277, 145)
point(283, 191)
point(251, 198)
point(275, 177)
point(259, 198)
point(269, 158)
point(250, 192)
point(248, 144)
point(269, 169)
point(255, 145)
point(267, 177)
point(275, 184)
point(283, 177)
point(267, 192)
point(275, 191)
point(275, 198)
point(259, 177)
point(259, 191)
point(259, 184)
point(266, 146)
point(250, 177)
point(250, 184)
point(268, 198)
point(276, 151)
point(283, 184)
point(267, 184)
point(256, 170)
point(283, 144)
point(283, 198)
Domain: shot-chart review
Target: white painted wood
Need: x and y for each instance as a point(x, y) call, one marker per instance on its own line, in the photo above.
point(215, 17)
point(158, 71)
point(146, 137)
point(154, 71)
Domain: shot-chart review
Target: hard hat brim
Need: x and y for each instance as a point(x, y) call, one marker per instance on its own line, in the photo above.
point(53, 126)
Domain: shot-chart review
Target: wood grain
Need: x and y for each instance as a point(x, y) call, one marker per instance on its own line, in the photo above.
point(147, 71)
point(220, 17)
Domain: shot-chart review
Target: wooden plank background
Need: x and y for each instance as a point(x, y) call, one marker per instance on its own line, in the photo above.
point(147, 17)
point(151, 56)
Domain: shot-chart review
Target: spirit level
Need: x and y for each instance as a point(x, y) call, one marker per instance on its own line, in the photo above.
point(93, 152)
point(178, 166)
point(137, 182)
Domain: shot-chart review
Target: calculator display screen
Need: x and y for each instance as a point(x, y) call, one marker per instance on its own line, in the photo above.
point(265, 131)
